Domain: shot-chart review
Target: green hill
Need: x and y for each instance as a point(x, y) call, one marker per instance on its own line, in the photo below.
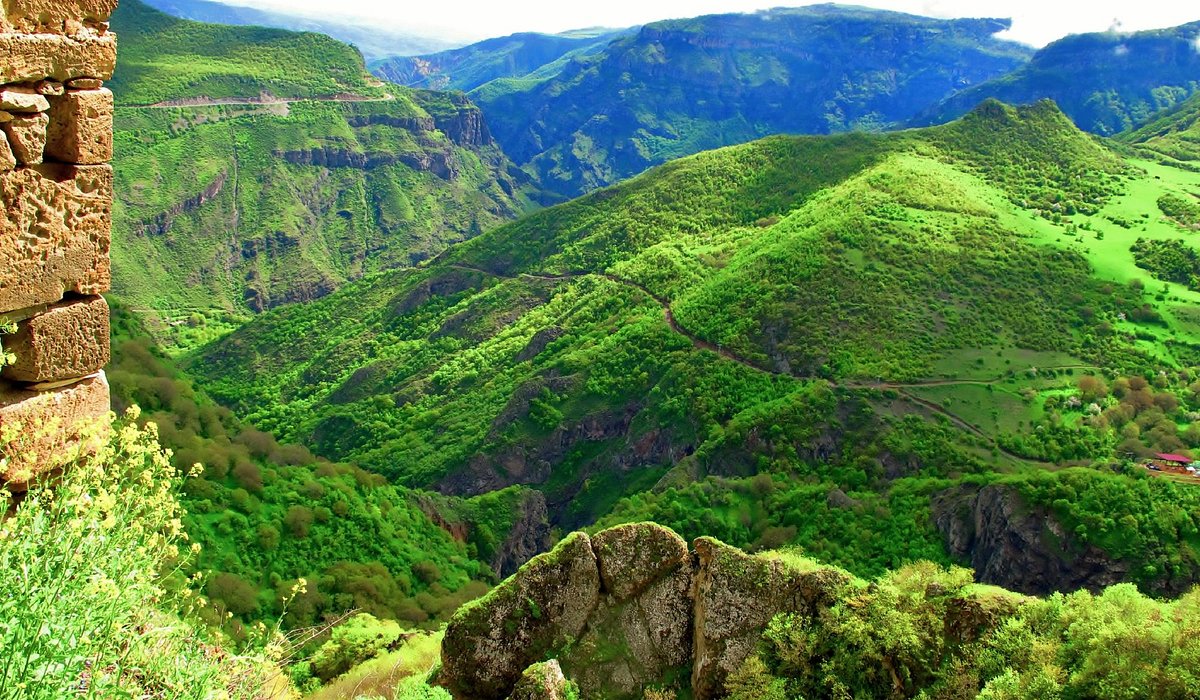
point(1106, 82)
point(881, 316)
point(245, 202)
point(469, 67)
point(164, 58)
point(679, 87)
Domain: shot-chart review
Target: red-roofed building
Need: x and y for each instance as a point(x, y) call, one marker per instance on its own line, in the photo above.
point(1173, 459)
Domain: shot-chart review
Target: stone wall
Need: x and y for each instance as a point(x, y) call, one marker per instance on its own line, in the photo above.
point(56, 191)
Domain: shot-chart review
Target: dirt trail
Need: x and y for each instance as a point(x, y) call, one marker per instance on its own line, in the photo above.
point(258, 101)
point(701, 344)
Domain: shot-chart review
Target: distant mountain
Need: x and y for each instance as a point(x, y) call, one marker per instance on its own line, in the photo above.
point(375, 42)
point(243, 200)
point(512, 56)
point(683, 86)
point(1106, 82)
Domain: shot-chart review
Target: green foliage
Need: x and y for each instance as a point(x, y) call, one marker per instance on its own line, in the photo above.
point(924, 632)
point(1170, 261)
point(356, 640)
point(1107, 82)
point(1185, 211)
point(91, 571)
point(269, 514)
point(6, 358)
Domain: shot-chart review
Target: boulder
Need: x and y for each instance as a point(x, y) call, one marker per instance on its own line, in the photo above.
point(34, 57)
point(737, 594)
point(81, 127)
point(69, 340)
point(544, 681)
point(27, 136)
point(542, 608)
point(55, 228)
point(51, 426)
point(631, 557)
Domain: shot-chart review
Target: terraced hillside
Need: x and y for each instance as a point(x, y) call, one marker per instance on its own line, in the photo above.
point(863, 325)
point(252, 187)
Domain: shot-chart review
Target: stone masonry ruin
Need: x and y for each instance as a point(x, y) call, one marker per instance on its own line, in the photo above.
point(56, 193)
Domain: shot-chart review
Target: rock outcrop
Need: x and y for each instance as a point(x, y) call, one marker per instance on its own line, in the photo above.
point(1019, 547)
point(640, 610)
point(56, 193)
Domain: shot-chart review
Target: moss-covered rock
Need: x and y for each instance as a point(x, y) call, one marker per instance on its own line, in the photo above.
point(737, 594)
point(544, 681)
point(538, 610)
point(641, 632)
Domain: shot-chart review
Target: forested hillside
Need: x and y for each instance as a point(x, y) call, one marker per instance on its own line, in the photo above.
point(1106, 82)
point(515, 56)
point(683, 86)
point(863, 321)
point(282, 170)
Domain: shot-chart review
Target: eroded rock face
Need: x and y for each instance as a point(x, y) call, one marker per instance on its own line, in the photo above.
point(544, 681)
point(641, 631)
point(27, 136)
point(51, 423)
point(1018, 547)
point(31, 57)
point(80, 128)
point(55, 223)
point(55, 16)
point(546, 605)
point(643, 611)
point(736, 596)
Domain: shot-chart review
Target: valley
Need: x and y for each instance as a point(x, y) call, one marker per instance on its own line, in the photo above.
point(811, 352)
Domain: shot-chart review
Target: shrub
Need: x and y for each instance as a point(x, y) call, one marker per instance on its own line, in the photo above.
point(89, 569)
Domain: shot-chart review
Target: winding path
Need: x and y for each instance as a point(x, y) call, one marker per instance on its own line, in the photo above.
point(701, 344)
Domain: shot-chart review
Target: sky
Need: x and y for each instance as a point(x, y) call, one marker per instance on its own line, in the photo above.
point(1034, 22)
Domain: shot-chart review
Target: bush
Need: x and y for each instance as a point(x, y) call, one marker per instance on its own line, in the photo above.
point(89, 569)
point(353, 642)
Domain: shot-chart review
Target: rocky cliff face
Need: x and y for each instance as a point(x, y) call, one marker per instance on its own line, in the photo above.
point(627, 609)
point(1010, 544)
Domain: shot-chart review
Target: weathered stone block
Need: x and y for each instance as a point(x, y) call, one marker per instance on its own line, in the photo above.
point(85, 84)
point(54, 16)
point(8, 160)
point(55, 230)
point(27, 136)
point(50, 425)
point(70, 339)
point(22, 99)
point(50, 88)
point(81, 127)
point(32, 57)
